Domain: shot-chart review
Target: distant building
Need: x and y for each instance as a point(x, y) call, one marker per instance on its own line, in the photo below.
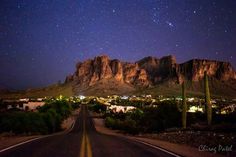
point(32, 105)
point(190, 99)
point(40, 99)
point(81, 97)
point(124, 97)
point(17, 106)
point(123, 109)
point(24, 99)
point(228, 109)
point(23, 104)
point(195, 109)
point(11, 104)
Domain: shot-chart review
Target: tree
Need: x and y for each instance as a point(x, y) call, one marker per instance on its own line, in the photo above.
point(184, 106)
point(207, 99)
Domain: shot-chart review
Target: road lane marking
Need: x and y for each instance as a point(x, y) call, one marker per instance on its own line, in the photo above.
point(37, 138)
point(85, 149)
point(89, 150)
point(82, 149)
point(156, 147)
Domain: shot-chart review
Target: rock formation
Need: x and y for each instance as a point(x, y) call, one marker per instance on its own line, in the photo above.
point(149, 71)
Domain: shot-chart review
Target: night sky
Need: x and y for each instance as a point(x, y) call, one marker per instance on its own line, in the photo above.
point(41, 40)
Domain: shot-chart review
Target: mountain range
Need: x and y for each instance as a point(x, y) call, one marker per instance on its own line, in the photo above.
point(158, 76)
point(105, 76)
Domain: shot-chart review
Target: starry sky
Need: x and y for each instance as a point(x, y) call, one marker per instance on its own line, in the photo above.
point(41, 40)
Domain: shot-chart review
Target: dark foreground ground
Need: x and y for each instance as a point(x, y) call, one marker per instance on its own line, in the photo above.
point(83, 140)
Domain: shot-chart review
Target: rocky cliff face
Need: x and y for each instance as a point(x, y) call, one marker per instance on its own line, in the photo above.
point(194, 70)
point(148, 72)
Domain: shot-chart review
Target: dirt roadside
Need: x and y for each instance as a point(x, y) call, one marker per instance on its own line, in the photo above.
point(179, 149)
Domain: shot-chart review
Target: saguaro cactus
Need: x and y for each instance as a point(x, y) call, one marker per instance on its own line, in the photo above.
point(184, 106)
point(207, 99)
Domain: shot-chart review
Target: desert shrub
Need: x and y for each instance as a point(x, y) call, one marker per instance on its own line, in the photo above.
point(52, 120)
point(109, 122)
point(149, 119)
point(23, 122)
point(197, 117)
point(136, 115)
point(75, 105)
point(36, 123)
point(48, 119)
point(61, 107)
point(166, 115)
point(224, 118)
point(97, 107)
point(120, 115)
point(130, 126)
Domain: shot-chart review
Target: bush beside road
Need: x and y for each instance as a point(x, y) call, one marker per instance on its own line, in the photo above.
point(9, 139)
point(47, 119)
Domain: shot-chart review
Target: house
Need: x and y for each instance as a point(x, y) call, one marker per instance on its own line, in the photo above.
point(123, 109)
point(195, 109)
point(124, 97)
point(24, 100)
point(13, 104)
point(33, 105)
point(23, 104)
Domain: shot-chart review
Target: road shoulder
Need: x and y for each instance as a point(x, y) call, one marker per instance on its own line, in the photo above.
point(179, 149)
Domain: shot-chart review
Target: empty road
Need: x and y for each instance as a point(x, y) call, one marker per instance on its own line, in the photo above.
point(83, 141)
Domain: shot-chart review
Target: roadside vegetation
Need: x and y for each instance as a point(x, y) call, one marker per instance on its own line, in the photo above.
point(97, 107)
point(47, 119)
point(165, 116)
point(168, 115)
point(146, 119)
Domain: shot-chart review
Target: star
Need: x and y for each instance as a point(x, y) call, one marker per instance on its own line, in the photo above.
point(155, 21)
point(132, 29)
point(65, 40)
point(169, 24)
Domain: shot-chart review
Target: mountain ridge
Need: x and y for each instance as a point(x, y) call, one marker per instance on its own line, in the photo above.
point(103, 76)
point(145, 73)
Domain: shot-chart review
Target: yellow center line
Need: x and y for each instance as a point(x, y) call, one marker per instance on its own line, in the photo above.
point(85, 150)
point(89, 150)
point(82, 149)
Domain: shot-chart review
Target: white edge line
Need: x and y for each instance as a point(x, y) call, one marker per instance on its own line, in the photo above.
point(37, 138)
point(145, 143)
point(156, 147)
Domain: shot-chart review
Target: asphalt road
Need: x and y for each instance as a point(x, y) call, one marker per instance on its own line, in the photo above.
point(83, 141)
